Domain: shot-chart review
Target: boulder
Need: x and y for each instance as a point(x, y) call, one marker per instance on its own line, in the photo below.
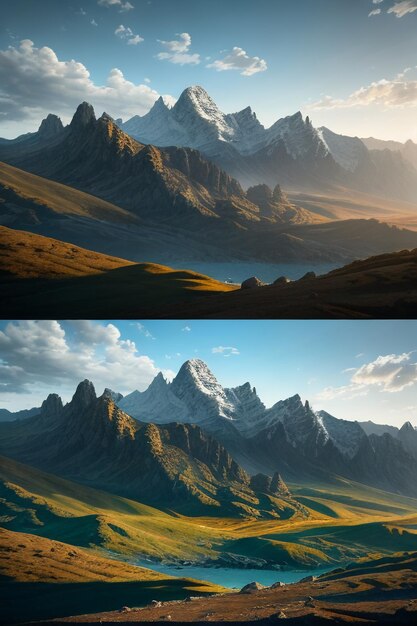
point(282, 280)
point(277, 584)
point(309, 579)
point(252, 587)
point(252, 283)
point(125, 609)
point(156, 603)
point(308, 275)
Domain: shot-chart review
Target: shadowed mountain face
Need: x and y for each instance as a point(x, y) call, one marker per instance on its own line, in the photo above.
point(169, 204)
point(289, 437)
point(170, 185)
point(92, 441)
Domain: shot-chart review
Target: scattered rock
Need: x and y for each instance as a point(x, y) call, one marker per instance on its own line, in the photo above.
point(156, 603)
point(282, 280)
point(167, 617)
point(308, 579)
point(309, 602)
point(125, 609)
point(277, 584)
point(308, 275)
point(280, 615)
point(252, 283)
point(252, 587)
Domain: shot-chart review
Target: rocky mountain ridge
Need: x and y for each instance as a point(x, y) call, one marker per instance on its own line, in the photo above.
point(92, 441)
point(290, 152)
point(289, 437)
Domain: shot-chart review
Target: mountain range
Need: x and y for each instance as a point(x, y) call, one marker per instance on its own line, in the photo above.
point(290, 152)
point(178, 465)
point(175, 202)
point(195, 442)
point(289, 438)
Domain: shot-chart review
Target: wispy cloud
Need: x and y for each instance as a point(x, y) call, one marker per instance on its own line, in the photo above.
point(240, 61)
point(142, 329)
point(186, 329)
point(225, 351)
point(397, 92)
point(400, 9)
point(122, 6)
point(374, 12)
point(124, 32)
point(178, 51)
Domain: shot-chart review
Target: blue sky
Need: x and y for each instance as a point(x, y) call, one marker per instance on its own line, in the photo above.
point(355, 370)
point(329, 58)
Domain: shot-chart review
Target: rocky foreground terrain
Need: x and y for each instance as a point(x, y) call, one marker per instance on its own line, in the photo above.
point(372, 592)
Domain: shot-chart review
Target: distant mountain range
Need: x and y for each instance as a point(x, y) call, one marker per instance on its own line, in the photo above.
point(289, 437)
point(291, 152)
point(194, 442)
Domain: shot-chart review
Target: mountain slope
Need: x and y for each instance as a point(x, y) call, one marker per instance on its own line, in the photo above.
point(289, 438)
point(91, 441)
point(291, 152)
point(170, 185)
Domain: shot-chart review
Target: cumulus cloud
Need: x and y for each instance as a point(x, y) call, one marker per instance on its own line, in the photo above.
point(56, 356)
point(225, 351)
point(239, 60)
point(124, 32)
point(375, 12)
point(34, 82)
point(399, 9)
point(391, 372)
point(388, 373)
point(178, 51)
point(186, 329)
point(122, 6)
point(398, 92)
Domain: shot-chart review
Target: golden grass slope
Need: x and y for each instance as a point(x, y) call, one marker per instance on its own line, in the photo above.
point(51, 278)
point(26, 255)
point(60, 198)
point(30, 558)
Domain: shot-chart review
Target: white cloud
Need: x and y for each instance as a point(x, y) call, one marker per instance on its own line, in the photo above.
point(124, 32)
point(45, 354)
point(34, 82)
point(239, 60)
point(375, 12)
point(123, 6)
point(389, 373)
point(81, 12)
point(147, 80)
point(225, 351)
point(399, 9)
point(397, 92)
point(186, 329)
point(178, 51)
point(93, 22)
